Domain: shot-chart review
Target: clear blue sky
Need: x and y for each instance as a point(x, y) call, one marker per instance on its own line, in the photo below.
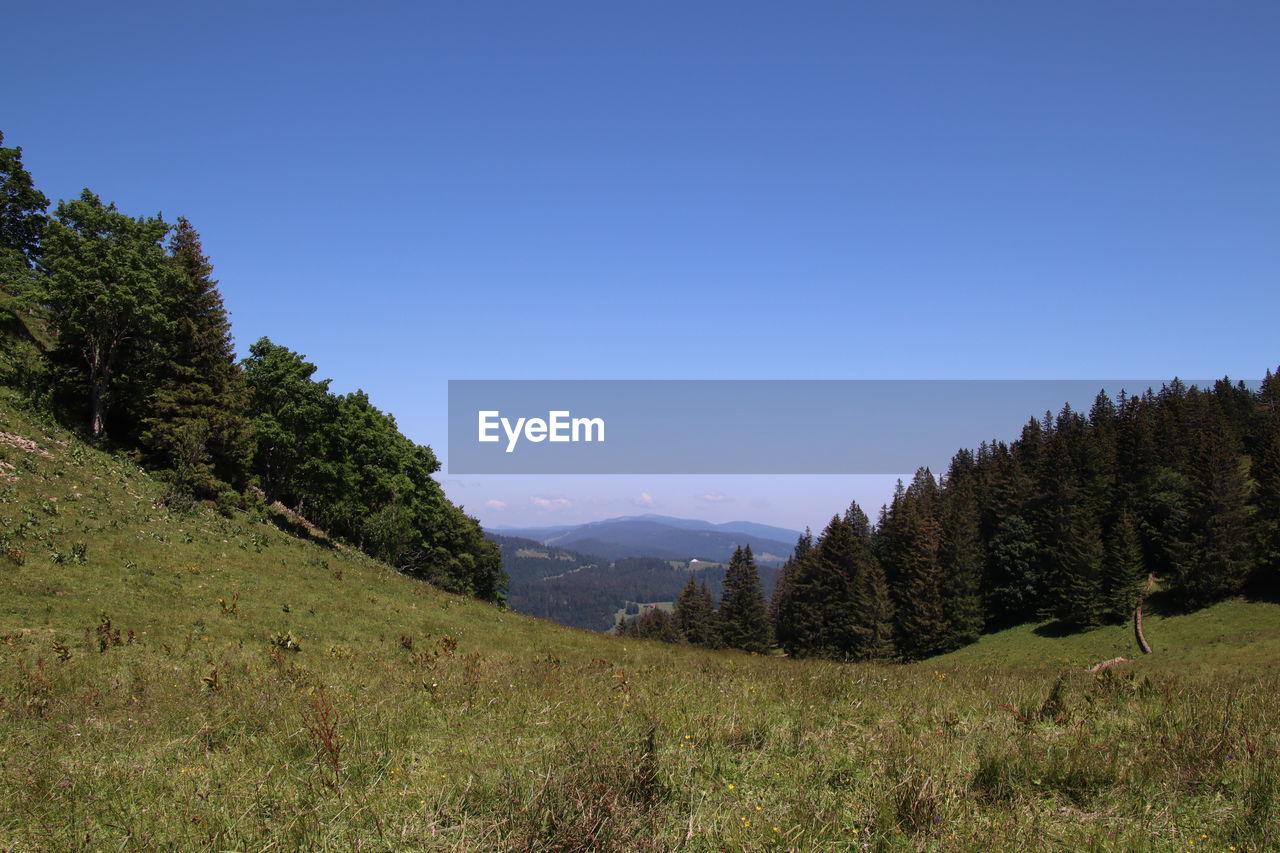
point(413, 192)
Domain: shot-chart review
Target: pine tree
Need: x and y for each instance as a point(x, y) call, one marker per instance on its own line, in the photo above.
point(778, 602)
point(1080, 558)
point(196, 423)
point(961, 560)
point(743, 620)
point(1011, 594)
point(1125, 570)
point(921, 627)
point(695, 614)
point(656, 624)
point(817, 617)
point(873, 609)
point(1266, 474)
point(1213, 559)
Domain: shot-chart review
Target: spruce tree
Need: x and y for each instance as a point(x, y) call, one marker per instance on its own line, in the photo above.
point(743, 619)
point(1214, 557)
point(196, 422)
point(695, 614)
point(921, 627)
point(873, 613)
point(778, 602)
point(1267, 516)
point(1266, 474)
point(817, 617)
point(1080, 558)
point(1012, 588)
point(961, 559)
point(1125, 570)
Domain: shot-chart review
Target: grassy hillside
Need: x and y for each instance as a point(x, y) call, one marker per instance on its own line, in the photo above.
point(246, 690)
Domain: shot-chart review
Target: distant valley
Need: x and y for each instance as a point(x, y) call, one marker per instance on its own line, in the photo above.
point(665, 537)
point(582, 575)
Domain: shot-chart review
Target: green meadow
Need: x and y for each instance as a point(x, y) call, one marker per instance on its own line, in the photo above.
point(172, 678)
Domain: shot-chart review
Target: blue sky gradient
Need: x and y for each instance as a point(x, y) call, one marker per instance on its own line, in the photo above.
point(413, 192)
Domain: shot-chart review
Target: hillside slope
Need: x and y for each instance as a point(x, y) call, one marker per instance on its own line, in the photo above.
point(181, 680)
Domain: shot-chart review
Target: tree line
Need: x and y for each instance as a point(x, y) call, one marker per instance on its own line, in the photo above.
point(127, 339)
point(1065, 523)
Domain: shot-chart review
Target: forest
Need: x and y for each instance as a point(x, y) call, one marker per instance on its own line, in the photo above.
point(1073, 523)
point(115, 326)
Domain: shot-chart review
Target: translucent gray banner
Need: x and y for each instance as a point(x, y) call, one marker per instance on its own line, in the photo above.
point(745, 426)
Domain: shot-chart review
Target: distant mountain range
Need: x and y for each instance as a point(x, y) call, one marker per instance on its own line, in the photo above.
point(586, 591)
point(664, 537)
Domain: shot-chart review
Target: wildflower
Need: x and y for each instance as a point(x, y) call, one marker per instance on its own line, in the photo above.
point(731, 786)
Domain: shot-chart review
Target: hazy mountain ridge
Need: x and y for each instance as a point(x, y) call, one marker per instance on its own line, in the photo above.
point(664, 537)
point(586, 590)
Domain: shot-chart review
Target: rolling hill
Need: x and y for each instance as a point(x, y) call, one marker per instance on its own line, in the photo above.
point(174, 678)
point(664, 537)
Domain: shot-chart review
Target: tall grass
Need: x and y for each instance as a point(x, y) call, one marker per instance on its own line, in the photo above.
point(401, 718)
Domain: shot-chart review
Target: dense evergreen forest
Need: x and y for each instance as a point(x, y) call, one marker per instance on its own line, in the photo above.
point(1067, 523)
point(115, 325)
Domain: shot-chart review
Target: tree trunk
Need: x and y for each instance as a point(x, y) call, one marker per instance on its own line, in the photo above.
point(97, 388)
point(1137, 615)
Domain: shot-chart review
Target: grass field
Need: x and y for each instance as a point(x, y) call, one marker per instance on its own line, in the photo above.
point(179, 680)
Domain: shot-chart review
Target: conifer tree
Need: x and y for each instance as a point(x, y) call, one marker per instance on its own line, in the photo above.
point(1125, 571)
point(196, 422)
point(817, 618)
point(1266, 474)
point(1080, 556)
point(911, 545)
point(655, 624)
point(873, 612)
point(921, 628)
point(743, 620)
point(695, 614)
point(1012, 588)
point(778, 602)
point(961, 560)
point(1214, 558)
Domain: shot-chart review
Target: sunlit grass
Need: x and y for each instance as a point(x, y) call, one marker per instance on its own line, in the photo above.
point(408, 719)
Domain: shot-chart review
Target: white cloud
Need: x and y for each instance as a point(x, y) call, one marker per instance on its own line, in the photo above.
point(713, 497)
point(496, 504)
point(550, 504)
point(645, 499)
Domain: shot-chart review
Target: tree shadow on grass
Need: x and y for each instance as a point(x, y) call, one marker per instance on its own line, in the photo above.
point(1057, 629)
point(295, 525)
